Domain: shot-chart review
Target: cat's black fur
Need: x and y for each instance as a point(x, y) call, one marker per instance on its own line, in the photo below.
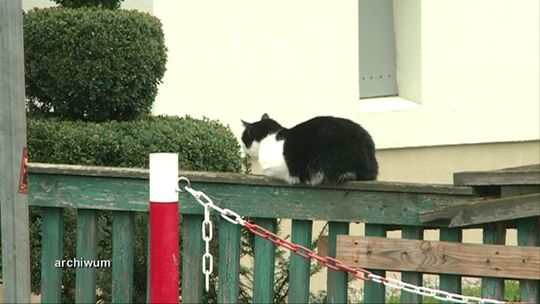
point(336, 147)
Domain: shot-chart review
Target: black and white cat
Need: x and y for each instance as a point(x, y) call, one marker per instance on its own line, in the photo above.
point(322, 149)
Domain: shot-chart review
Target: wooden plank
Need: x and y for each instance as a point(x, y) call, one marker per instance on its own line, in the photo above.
point(336, 281)
point(529, 235)
point(440, 257)
point(487, 210)
point(229, 262)
point(192, 252)
point(244, 179)
point(13, 198)
point(526, 175)
point(265, 255)
point(305, 203)
point(413, 233)
point(122, 272)
point(299, 268)
point(493, 288)
point(85, 284)
point(52, 251)
point(373, 292)
point(310, 204)
point(450, 282)
point(89, 192)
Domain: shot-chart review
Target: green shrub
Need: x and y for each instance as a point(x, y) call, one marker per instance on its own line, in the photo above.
point(92, 64)
point(203, 145)
point(112, 4)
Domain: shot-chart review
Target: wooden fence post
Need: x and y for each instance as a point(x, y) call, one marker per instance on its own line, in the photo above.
point(13, 157)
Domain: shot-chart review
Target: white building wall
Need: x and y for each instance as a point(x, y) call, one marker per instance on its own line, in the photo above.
point(471, 68)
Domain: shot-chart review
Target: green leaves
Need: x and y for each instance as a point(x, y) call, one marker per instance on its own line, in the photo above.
point(204, 145)
point(92, 64)
point(110, 4)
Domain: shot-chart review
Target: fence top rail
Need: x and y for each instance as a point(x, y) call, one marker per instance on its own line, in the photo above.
point(523, 175)
point(246, 179)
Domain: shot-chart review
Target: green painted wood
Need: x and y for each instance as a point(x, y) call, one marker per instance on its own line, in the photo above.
point(192, 252)
point(375, 292)
point(304, 203)
point(85, 284)
point(264, 257)
point(324, 204)
point(336, 281)
point(229, 262)
point(13, 204)
point(299, 268)
point(414, 233)
point(148, 258)
point(88, 192)
point(199, 177)
point(493, 288)
point(450, 282)
point(529, 235)
point(52, 250)
point(122, 263)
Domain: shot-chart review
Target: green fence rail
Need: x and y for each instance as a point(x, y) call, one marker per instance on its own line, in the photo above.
point(381, 205)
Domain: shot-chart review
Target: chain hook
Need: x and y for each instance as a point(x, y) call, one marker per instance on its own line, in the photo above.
point(182, 179)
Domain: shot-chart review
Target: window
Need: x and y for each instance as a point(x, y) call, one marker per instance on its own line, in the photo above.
point(377, 50)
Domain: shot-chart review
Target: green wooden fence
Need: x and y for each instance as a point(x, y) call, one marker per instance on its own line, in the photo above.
point(381, 205)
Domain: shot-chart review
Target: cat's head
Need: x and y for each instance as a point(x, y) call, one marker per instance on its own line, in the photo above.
point(255, 132)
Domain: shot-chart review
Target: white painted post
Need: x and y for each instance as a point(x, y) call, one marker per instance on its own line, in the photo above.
point(164, 230)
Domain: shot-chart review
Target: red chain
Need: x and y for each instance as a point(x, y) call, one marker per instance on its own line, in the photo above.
point(307, 253)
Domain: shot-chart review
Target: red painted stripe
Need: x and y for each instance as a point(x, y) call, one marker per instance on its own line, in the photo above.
point(164, 263)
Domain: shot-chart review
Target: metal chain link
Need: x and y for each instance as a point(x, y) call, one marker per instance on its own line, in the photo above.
point(207, 231)
point(430, 292)
point(306, 253)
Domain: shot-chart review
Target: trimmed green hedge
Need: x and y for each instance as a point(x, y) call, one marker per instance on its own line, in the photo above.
point(92, 64)
point(203, 145)
point(111, 4)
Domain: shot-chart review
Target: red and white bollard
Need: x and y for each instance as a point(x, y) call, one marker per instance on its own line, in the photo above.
point(164, 230)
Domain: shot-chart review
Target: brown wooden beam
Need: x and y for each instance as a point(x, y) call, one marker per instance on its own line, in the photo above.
point(440, 257)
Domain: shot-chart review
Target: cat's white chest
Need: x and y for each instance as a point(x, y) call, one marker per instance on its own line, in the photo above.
point(272, 160)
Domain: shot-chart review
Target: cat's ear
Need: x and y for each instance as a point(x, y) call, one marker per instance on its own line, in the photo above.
point(245, 123)
point(265, 116)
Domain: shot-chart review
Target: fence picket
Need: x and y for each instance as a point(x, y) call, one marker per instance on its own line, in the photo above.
point(493, 288)
point(373, 292)
point(529, 235)
point(299, 271)
point(415, 233)
point(52, 251)
point(122, 272)
point(265, 254)
point(337, 281)
point(192, 251)
point(229, 262)
point(85, 285)
point(450, 282)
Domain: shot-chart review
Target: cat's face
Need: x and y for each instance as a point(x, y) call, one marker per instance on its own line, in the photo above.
point(255, 132)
